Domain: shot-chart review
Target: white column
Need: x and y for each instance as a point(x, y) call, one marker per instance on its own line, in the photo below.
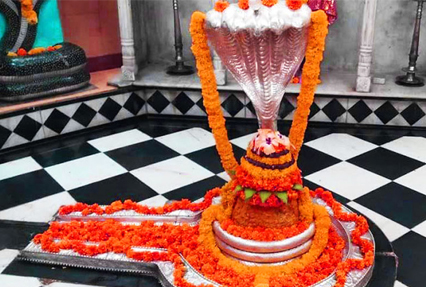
point(363, 82)
point(129, 67)
point(219, 68)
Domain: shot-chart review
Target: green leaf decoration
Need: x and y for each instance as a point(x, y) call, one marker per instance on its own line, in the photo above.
point(298, 187)
point(231, 172)
point(283, 196)
point(238, 188)
point(249, 193)
point(264, 195)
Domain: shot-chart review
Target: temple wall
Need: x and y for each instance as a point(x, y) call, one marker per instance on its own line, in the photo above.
point(394, 28)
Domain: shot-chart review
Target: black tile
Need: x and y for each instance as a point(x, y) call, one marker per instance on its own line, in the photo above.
point(313, 110)
point(57, 121)
point(232, 105)
point(158, 101)
point(121, 187)
point(379, 137)
point(384, 271)
point(209, 158)
point(201, 105)
point(386, 112)
point(80, 275)
point(4, 135)
point(27, 128)
point(134, 104)
point(64, 154)
point(183, 103)
point(314, 186)
point(313, 133)
point(398, 203)
point(196, 190)
point(141, 154)
point(110, 109)
point(17, 234)
point(27, 187)
point(360, 111)
point(334, 109)
point(251, 108)
point(84, 115)
point(241, 129)
point(411, 252)
point(386, 163)
point(413, 113)
point(285, 108)
point(312, 160)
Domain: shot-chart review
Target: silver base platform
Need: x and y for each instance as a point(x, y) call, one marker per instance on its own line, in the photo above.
point(163, 271)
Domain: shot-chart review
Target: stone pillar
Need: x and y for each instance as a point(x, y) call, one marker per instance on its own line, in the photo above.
point(219, 68)
point(363, 82)
point(129, 68)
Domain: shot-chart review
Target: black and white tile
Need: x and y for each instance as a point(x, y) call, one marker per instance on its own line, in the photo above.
point(35, 125)
point(380, 174)
point(46, 122)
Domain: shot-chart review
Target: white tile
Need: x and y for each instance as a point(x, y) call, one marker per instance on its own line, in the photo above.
point(414, 180)
point(18, 167)
point(399, 284)
point(224, 175)
point(18, 281)
point(414, 147)
point(390, 228)
point(11, 122)
point(421, 229)
point(72, 126)
point(243, 141)
point(119, 140)
point(86, 170)
point(96, 104)
point(171, 174)
point(40, 210)
point(341, 146)
point(188, 140)
point(14, 140)
point(6, 257)
point(348, 180)
point(155, 201)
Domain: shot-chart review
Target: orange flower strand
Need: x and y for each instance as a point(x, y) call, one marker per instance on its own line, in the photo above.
point(261, 233)
point(311, 71)
point(366, 246)
point(209, 91)
point(27, 11)
point(116, 206)
point(221, 5)
point(259, 183)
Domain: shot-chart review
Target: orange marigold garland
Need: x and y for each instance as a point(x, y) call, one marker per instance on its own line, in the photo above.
point(311, 71)
point(116, 206)
point(209, 91)
point(261, 233)
point(27, 11)
point(366, 246)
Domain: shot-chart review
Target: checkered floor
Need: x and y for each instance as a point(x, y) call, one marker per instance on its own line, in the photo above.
point(380, 173)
